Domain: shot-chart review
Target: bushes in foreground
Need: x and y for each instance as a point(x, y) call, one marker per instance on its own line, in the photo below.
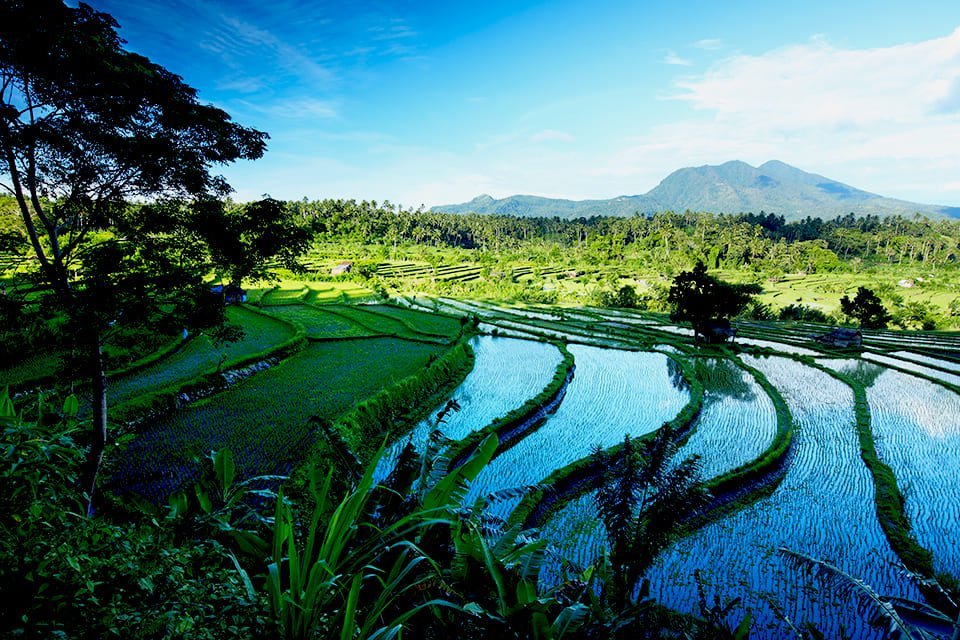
point(377, 561)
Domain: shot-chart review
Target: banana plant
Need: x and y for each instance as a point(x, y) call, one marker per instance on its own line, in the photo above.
point(899, 617)
point(353, 571)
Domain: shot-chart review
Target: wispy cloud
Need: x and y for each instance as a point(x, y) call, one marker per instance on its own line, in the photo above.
point(242, 84)
point(709, 44)
point(671, 57)
point(289, 57)
point(552, 135)
point(292, 108)
point(861, 115)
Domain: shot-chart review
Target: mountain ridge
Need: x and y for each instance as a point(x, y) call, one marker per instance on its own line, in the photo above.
point(732, 187)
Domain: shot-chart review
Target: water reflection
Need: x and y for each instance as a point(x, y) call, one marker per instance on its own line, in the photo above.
point(866, 373)
point(721, 378)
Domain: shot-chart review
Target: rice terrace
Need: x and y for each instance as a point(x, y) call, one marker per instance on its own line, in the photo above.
point(726, 407)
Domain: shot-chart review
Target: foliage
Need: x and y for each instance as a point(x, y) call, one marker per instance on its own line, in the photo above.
point(642, 497)
point(268, 431)
point(705, 301)
point(86, 127)
point(801, 313)
point(242, 238)
point(866, 308)
point(65, 575)
point(394, 408)
point(888, 613)
point(625, 297)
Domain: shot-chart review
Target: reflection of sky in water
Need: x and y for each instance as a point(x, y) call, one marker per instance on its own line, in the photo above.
point(923, 359)
point(506, 373)
point(613, 393)
point(913, 366)
point(738, 420)
point(779, 346)
point(917, 429)
point(824, 507)
point(683, 331)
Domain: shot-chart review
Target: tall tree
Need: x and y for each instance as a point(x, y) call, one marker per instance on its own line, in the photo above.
point(706, 302)
point(241, 237)
point(87, 127)
point(866, 308)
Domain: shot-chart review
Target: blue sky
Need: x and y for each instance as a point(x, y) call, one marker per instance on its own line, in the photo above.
point(437, 102)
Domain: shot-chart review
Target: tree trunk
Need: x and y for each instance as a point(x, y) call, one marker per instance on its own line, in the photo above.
point(98, 440)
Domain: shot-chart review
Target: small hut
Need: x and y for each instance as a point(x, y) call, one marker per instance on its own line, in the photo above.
point(841, 338)
point(717, 331)
point(342, 268)
point(231, 293)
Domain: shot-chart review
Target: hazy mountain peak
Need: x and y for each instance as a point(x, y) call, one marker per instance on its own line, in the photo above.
point(731, 187)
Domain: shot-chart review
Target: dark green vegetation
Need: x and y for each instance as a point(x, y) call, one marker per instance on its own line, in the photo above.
point(155, 386)
point(866, 309)
point(86, 129)
point(804, 266)
point(265, 420)
point(707, 303)
point(731, 187)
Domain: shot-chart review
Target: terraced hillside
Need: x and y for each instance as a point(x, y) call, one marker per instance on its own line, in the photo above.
point(842, 455)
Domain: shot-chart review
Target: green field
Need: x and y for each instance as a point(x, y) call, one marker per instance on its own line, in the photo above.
point(265, 419)
point(201, 355)
point(322, 323)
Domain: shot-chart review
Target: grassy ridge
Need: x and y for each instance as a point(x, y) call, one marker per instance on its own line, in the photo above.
point(388, 413)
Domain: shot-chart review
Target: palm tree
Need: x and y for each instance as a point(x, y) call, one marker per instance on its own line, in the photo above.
point(643, 497)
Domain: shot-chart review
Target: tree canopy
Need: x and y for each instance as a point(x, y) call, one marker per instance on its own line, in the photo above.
point(706, 302)
point(107, 155)
point(866, 309)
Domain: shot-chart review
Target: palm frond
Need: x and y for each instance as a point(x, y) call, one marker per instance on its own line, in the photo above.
point(878, 611)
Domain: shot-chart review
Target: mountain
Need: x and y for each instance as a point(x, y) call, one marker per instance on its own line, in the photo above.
point(732, 187)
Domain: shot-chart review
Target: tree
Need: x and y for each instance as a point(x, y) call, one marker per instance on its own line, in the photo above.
point(642, 497)
point(241, 238)
point(866, 309)
point(706, 302)
point(87, 127)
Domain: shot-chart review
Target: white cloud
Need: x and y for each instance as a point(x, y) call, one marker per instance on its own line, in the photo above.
point(671, 57)
point(883, 119)
point(709, 44)
point(816, 84)
point(552, 135)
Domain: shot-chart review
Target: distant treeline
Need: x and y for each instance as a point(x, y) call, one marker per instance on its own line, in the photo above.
point(763, 240)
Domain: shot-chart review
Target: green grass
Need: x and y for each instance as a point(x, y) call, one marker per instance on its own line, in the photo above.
point(321, 323)
point(437, 324)
point(33, 368)
point(394, 324)
point(286, 292)
point(337, 292)
point(200, 355)
point(264, 419)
